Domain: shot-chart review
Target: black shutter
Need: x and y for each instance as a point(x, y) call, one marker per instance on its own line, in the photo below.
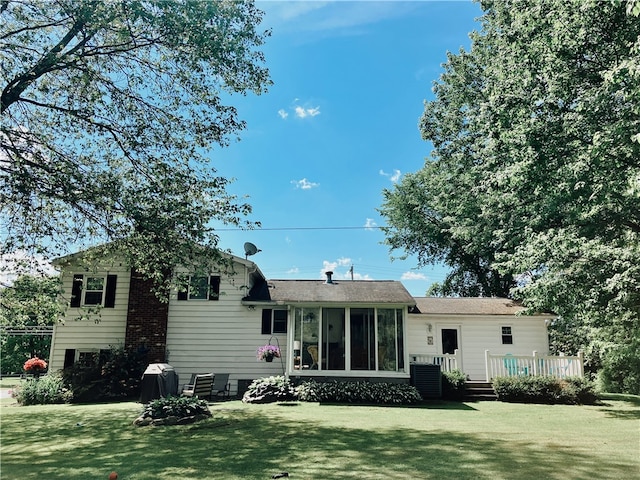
point(69, 357)
point(214, 287)
point(266, 321)
point(76, 290)
point(110, 292)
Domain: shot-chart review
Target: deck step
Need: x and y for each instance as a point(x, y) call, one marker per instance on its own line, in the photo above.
point(476, 391)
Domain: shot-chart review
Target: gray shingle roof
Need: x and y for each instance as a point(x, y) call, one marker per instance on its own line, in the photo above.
point(467, 306)
point(340, 291)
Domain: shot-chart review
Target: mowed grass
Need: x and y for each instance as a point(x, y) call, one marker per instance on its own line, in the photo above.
point(483, 440)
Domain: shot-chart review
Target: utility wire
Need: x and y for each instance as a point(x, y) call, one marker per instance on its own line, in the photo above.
point(374, 227)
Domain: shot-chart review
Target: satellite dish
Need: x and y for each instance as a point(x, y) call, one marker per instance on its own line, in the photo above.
point(250, 249)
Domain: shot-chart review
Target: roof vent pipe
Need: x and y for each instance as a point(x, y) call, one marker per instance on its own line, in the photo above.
point(329, 280)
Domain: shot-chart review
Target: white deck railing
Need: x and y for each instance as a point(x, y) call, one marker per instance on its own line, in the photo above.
point(533, 365)
point(447, 361)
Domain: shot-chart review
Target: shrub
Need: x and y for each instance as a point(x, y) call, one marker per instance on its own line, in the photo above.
point(620, 371)
point(545, 389)
point(45, 390)
point(578, 390)
point(112, 374)
point(175, 407)
point(453, 385)
point(359, 392)
point(269, 389)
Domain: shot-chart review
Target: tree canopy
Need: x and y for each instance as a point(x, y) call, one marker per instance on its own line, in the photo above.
point(29, 303)
point(535, 169)
point(109, 114)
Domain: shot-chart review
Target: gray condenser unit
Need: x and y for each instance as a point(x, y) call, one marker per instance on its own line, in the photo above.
point(427, 379)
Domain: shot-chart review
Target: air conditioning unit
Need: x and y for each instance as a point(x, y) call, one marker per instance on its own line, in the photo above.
point(427, 379)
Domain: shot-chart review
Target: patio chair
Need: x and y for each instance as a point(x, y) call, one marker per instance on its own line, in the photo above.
point(511, 364)
point(313, 351)
point(221, 385)
point(200, 387)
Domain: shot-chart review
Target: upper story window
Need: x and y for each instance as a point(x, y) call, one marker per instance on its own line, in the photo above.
point(201, 288)
point(93, 290)
point(507, 336)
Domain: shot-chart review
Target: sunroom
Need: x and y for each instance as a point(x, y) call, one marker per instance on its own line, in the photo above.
point(345, 328)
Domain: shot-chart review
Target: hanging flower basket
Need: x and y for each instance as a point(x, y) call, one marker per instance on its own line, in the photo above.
point(268, 353)
point(35, 366)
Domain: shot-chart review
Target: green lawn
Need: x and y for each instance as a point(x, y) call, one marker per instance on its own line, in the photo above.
point(484, 440)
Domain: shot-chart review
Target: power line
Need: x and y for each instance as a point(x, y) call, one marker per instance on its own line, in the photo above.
point(236, 229)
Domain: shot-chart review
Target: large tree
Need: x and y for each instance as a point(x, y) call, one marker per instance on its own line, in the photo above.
point(29, 303)
point(535, 168)
point(109, 113)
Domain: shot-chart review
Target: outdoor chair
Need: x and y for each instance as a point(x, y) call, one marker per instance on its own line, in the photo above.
point(200, 387)
point(313, 351)
point(511, 365)
point(221, 385)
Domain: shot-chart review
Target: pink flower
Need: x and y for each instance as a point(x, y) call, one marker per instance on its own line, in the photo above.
point(267, 351)
point(34, 364)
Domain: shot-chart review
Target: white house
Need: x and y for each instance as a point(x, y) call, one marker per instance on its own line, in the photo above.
point(462, 330)
point(324, 328)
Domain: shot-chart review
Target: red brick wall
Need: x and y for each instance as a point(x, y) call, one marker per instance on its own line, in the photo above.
point(146, 320)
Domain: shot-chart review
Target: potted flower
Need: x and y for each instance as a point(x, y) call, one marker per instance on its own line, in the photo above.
point(268, 353)
point(35, 366)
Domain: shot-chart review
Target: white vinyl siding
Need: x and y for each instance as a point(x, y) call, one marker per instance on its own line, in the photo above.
point(477, 334)
point(220, 337)
point(100, 330)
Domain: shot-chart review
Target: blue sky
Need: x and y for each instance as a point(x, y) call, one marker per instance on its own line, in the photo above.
point(339, 124)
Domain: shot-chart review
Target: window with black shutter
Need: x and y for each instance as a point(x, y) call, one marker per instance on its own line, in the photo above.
point(93, 290)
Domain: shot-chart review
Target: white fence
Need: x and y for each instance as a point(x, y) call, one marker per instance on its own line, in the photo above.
point(447, 361)
point(42, 330)
point(534, 365)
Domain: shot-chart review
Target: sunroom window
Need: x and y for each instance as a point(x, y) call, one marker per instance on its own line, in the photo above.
point(348, 339)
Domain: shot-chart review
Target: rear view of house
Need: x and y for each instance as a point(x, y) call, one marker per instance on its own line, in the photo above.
point(325, 329)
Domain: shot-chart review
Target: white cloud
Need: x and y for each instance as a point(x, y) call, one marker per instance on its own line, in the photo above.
point(305, 184)
point(394, 177)
point(302, 112)
point(293, 270)
point(370, 224)
point(328, 266)
point(341, 269)
point(332, 18)
point(299, 110)
point(413, 276)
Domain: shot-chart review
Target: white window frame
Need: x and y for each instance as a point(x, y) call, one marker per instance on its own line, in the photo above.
point(85, 290)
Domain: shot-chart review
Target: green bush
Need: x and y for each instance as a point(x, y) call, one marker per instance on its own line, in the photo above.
point(453, 385)
point(358, 392)
point(572, 390)
point(269, 389)
point(45, 390)
point(175, 407)
point(620, 371)
point(578, 390)
point(109, 375)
